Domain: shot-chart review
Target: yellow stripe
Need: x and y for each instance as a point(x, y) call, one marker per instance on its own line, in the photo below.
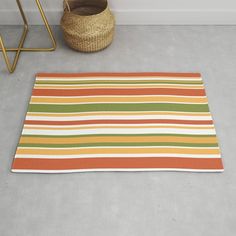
point(109, 150)
point(114, 139)
point(117, 99)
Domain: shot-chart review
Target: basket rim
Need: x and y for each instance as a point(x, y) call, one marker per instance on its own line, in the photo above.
point(93, 15)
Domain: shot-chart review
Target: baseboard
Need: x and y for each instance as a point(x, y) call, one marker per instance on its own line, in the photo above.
point(136, 17)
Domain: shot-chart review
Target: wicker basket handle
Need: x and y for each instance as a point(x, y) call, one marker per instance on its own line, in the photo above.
point(66, 6)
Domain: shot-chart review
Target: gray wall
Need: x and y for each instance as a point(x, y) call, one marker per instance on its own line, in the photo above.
point(138, 11)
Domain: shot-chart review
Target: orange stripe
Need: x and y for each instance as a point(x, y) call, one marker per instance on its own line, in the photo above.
point(109, 163)
point(130, 74)
point(93, 122)
point(121, 92)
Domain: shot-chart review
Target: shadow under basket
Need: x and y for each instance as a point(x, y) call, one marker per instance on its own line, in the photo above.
point(88, 25)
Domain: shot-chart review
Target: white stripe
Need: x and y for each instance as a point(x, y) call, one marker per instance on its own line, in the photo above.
point(81, 103)
point(144, 85)
point(118, 112)
point(118, 96)
point(117, 147)
point(115, 169)
point(131, 126)
point(117, 117)
point(118, 155)
point(119, 131)
point(121, 78)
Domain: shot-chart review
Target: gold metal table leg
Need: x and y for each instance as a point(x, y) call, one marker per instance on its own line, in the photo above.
point(12, 67)
point(20, 48)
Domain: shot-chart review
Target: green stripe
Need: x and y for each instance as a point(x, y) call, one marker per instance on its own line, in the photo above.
point(138, 144)
point(121, 82)
point(118, 107)
point(120, 135)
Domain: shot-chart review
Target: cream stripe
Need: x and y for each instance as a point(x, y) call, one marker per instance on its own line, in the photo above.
point(119, 155)
point(118, 113)
point(73, 86)
point(116, 169)
point(74, 103)
point(168, 148)
point(120, 131)
point(119, 78)
point(116, 126)
point(117, 117)
point(121, 96)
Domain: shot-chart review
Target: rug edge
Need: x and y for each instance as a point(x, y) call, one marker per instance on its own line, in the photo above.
point(117, 170)
point(82, 74)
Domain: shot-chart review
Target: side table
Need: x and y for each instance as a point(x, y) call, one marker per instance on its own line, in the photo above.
point(11, 67)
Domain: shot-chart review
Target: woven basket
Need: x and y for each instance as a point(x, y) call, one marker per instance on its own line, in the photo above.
point(88, 25)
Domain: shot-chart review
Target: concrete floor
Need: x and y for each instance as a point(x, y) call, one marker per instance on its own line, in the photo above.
point(123, 204)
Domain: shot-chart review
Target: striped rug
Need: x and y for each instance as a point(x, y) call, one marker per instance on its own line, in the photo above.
point(118, 122)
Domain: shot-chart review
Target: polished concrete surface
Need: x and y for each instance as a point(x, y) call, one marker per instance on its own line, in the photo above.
point(123, 204)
